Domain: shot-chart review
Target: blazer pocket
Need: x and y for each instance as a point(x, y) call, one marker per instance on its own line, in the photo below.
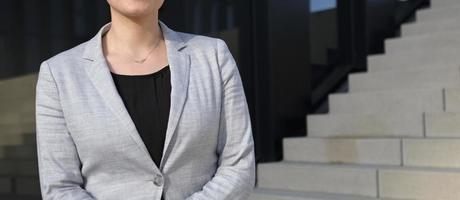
point(124, 190)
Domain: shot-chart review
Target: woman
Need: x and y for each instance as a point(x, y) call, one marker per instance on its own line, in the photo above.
point(96, 139)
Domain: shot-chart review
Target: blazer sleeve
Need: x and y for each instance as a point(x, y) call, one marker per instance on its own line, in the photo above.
point(58, 162)
point(235, 175)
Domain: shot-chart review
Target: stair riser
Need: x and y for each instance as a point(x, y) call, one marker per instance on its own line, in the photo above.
point(5, 185)
point(396, 183)
point(408, 79)
point(256, 195)
point(423, 185)
point(377, 102)
point(443, 125)
point(29, 139)
point(27, 185)
point(423, 44)
point(416, 152)
point(438, 58)
point(17, 128)
point(440, 14)
point(427, 100)
point(319, 179)
point(431, 153)
point(351, 151)
point(452, 100)
point(423, 28)
point(21, 185)
point(380, 125)
point(10, 139)
point(421, 67)
point(15, 117)
point(18, 167)
point(441, 4)
point(278, 197)
point(18, 152)
point(17, 139)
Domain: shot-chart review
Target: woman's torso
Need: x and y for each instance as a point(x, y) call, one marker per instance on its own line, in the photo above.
point(113, 161)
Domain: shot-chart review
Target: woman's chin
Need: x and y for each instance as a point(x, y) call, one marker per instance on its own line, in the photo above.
point(140, 11)
point(136, 14)
point(134, 8)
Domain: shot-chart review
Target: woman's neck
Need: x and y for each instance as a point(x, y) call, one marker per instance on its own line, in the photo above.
point(134, 35)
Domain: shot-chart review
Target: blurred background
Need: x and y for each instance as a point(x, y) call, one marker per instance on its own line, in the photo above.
point(349, 99)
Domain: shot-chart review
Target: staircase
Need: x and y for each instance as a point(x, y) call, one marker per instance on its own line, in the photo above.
point(394, 135)
point(18, 157)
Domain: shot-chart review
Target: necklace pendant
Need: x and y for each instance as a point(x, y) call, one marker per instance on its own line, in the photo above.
point(139, 61)
point(143, 60)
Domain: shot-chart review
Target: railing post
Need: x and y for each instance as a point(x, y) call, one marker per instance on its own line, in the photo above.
point(351, 23)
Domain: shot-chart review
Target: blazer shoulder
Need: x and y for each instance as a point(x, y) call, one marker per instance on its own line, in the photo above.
point(67, 56)
point(201, 42)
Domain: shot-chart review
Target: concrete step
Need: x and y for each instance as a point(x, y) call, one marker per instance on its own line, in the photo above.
point(402, 124)
point(278, 194)
point(429, 27)
point(419, 184)
point(440, 4)
point(23, 84)
point(405, 79)
point(438, 14)
point(18, 152)
point(29, 139)
point(24, 81)
point(318, 178)
point(417, 100)
point(17, 128)
point(438, 58)
point(426, 43)
point(20, 197)
point(13, 167)
point(6, 185)
point(444, 124)
point(17, 112)
point(416, 152)
point(420, 67)
point(20, 94)
point(452, 100)
point(10, 139)
point(431, 153)
point(17, 139)
point(27, 185)
point(20, 185)
point(393, 182)
point(350, 150)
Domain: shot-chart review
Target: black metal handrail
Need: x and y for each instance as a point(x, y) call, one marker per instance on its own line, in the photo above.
point(362, 27)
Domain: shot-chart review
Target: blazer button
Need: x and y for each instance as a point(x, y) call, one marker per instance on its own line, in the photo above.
point(158, 180)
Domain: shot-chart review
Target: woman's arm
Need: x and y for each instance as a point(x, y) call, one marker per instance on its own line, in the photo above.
point(235, 176)
point(58, 161)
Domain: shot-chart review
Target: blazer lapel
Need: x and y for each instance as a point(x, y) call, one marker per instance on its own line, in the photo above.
point(99, 73)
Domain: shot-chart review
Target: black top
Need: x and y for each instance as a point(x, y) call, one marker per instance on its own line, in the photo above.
point(147, 99)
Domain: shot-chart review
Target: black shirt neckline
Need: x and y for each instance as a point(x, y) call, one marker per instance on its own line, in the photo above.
point(153, 74)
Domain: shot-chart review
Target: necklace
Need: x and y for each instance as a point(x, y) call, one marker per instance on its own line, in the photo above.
point(151, 50)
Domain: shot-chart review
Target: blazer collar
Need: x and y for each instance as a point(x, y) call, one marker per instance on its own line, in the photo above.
point(99, 73)
point(93, 50)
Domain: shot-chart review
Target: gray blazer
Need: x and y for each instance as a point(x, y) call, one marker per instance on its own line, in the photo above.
point(88, 146)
